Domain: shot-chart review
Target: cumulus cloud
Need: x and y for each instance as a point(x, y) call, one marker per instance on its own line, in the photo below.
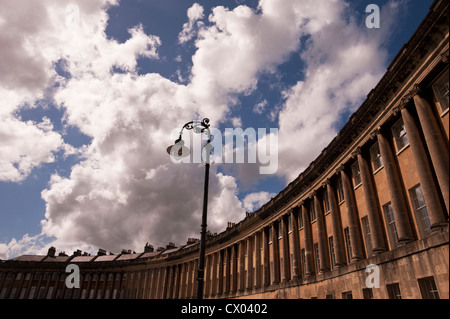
point(126, 191)
point(344, 61)
point(194, 13)
point(254, 201)
point(18, 141)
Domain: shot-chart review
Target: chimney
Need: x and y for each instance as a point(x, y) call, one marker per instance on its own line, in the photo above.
point(170, 245)
point(51, 252)
point(160, 249)
point(148, 248)
point(101, 252)
point(77, 252)
point(192, 241)
point(230, 225)
point(62, 254)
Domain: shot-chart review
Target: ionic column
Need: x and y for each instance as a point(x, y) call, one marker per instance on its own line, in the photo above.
point(249, 285)
point(189, 280)
point(324, 256)
point(258, 264)
point(276, 253)
point(372, 206)
point(266, 257)
point(194, 281)
point(296, 268)
point(165, 278)
point(309, 248)
point(396, 190)
point(169, 282)
point(336, 225)
point(220, 279)
point(241, 279)
point(430, 190)
point(215, 260)
point(182, 281)
point(286, 254)
point(207, 275)
point(353, 222)
point(227, 270)
point(436, 143)
point(176, 288)
point(234, 281)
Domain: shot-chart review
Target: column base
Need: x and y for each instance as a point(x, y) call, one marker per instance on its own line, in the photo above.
point(379, 250)
point(356, 259)
point(324, 270)
point(405, 241)
point(439, 226)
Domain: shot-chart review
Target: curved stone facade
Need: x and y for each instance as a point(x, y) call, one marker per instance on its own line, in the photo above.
point(367, 219)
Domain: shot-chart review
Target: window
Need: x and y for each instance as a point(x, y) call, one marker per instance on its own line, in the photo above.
point(367, 235)
point(340, 190)
point(420, 209)
point(367, 293)
point(32, 291)
point(330, 296)
point(326, 201)
point(270, 235)
point(347, 295)
point(50, 292)
point(375, 156)
point(441, 91)
point(300, 218)
point(356, 174)
point(349, 244)
point(303, 260)
point(290, 222)
point(316, 252)
point(394, 291)
point(428, 288)
point(280, 230)
point(400, 136)
point(271, 271)
point(392, 228)
point(333, 256)
point(312, 210)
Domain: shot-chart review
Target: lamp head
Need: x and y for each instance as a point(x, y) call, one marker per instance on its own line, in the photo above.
point(178, 150)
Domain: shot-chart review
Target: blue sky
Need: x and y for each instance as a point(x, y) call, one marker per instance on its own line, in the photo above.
point(91, 90)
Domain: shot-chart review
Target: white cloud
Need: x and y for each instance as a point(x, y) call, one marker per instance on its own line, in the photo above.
point(344, 62)
point(190, 28)
point(236, 121)
point(254, 201)
point(260, 107)
point(24, 146)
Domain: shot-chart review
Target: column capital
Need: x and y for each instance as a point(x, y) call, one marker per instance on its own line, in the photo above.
point(415, 90)
point(375, 133)
point(340, 169)
point(356, 152)
point(444, 57)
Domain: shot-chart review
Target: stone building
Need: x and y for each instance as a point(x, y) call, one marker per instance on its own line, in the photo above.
point(367, 219)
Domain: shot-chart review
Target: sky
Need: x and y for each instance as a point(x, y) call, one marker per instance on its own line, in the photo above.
point(92, 92)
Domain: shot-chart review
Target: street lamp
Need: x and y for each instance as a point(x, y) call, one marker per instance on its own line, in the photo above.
point(178, 151)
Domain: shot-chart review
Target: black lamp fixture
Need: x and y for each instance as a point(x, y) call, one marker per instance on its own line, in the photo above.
point(178, 151)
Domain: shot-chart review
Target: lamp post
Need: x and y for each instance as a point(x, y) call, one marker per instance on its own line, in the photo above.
point(178, 150)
